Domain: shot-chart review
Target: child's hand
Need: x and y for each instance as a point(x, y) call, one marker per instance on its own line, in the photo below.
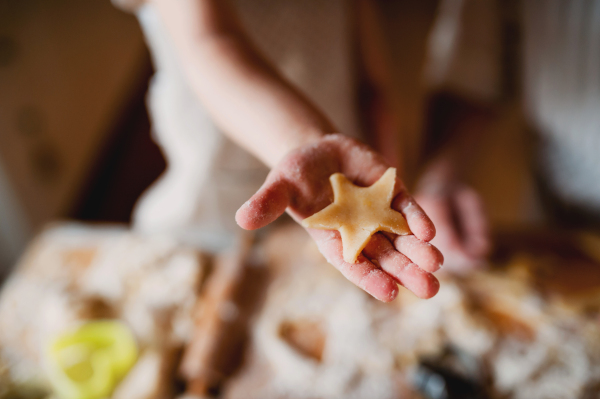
point(463, 233)
point(300, 184)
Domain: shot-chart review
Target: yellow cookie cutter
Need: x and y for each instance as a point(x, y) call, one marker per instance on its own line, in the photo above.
point(88, 362)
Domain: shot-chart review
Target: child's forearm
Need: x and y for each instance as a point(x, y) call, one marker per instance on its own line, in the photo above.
point(246, 97)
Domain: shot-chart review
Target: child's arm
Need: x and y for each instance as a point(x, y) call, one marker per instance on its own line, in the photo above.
point(457, 209)
point(244, 94)
point(262, 112)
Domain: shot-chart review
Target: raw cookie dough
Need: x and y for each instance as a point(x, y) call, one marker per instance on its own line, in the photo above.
point(359, 212)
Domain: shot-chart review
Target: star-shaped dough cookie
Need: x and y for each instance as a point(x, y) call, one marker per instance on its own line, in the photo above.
point(359, 212)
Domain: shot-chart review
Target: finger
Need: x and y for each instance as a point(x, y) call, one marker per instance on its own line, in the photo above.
point(418, 221)
point(269, 202)
point(421, 283)
point(474, 222)
point(439, 210)
point(425, 255)
point(363, 273)
point(448, 238)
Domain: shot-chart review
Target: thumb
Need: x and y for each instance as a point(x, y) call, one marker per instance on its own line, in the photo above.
point(269, 202)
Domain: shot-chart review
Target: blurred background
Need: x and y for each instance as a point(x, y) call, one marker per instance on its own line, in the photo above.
point(266, 317)
point(75, 137)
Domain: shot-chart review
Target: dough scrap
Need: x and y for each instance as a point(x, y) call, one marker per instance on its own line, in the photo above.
point(359, 212)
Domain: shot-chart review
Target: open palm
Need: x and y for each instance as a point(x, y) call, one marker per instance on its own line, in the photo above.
point(300, 184)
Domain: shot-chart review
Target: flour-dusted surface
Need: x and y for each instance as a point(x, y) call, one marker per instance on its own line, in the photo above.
point(528, 327)
point(526, 343)
point(73, 273)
